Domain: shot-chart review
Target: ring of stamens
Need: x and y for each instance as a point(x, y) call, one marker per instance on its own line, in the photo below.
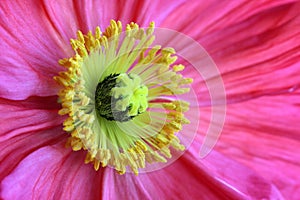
point(129, 126)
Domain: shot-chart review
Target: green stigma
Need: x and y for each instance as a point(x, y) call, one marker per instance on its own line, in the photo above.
point(121, 97)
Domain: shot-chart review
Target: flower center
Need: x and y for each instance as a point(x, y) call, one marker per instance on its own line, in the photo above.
point(120, 97)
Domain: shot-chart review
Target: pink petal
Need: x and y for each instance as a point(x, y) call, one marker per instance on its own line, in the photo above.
point(24, 118)
point(211, 16)
point(241, 179)
point(30, 49)
point(53, 172)
point(98, 13)
point(34, 161)
point(215, 177)
point(262, 62)
point(263, 134)
point(17, 147)
point(24, 127)
point(254, 44)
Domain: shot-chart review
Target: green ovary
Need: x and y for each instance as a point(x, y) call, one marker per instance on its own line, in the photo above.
point(120, 97)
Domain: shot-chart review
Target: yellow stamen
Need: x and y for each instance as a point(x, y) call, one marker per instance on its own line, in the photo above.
point(143, 74)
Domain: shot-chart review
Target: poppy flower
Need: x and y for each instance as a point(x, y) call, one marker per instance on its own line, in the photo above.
point(255, 46)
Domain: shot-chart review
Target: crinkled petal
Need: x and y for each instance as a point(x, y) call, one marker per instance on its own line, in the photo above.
point(19, 118)
point(254, 44)
point(142, 12)
point(205, 18)
point(24, 127)
point(264, 134)
point(16, 148)
point(215, 177)
point(264, 61)
point(34, 162)
point(240, 178)
point(30, 49)
point(52, 172)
